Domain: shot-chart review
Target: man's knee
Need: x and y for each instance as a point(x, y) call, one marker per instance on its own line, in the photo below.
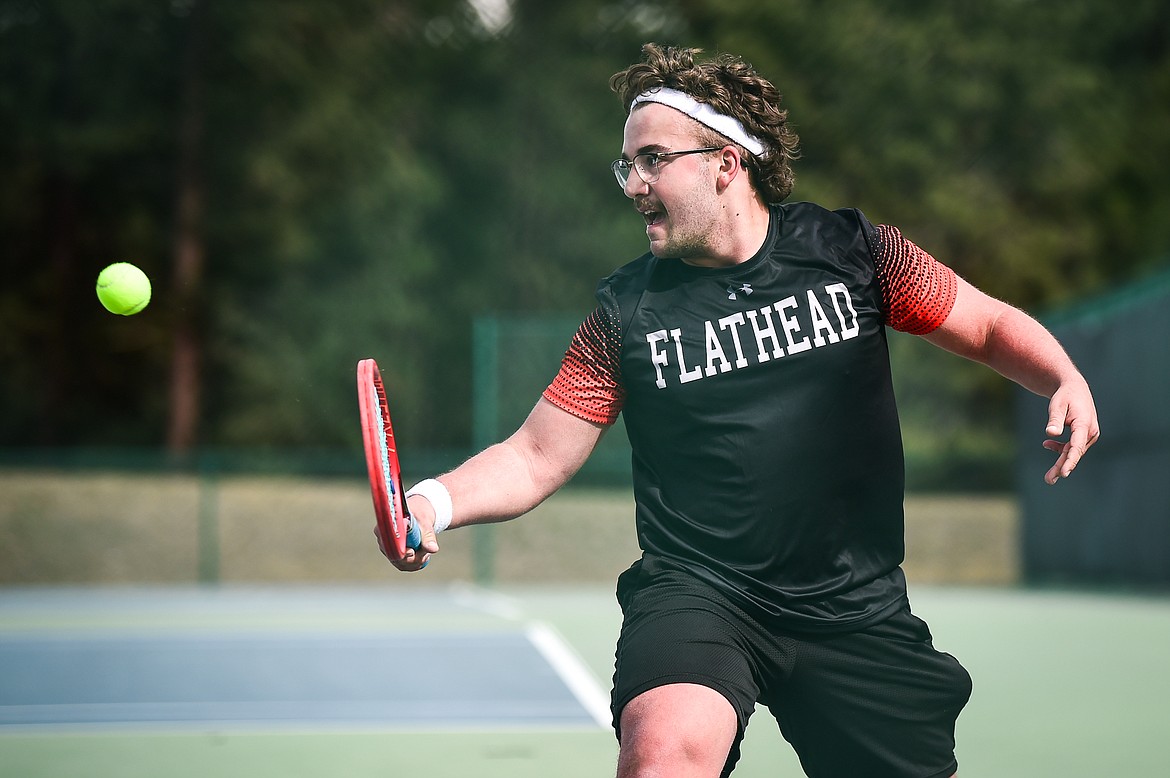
point(677, 730)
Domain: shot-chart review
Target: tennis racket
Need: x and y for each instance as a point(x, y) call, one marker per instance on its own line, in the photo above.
point(395, 527)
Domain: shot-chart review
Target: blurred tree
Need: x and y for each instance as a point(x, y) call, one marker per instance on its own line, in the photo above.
point(317, 239)
point(87, 159)
point(375, 173)
point(189, 239)
point(990, 131)
point(467, 173)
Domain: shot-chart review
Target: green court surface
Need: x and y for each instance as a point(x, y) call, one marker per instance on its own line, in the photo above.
point(1066, 684)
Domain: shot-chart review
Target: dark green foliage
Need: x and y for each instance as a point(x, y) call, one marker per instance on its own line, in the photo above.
point(377, 174)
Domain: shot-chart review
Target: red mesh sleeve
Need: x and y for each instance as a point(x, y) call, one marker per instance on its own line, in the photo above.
point(588, 384)
point(919, 291)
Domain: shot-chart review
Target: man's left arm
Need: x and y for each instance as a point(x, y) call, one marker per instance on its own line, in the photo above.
point(986, 330)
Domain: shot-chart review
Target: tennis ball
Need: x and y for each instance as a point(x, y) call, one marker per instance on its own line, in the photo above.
point(123, 289)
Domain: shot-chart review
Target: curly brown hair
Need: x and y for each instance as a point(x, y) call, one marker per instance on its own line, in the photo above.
point(730, 86)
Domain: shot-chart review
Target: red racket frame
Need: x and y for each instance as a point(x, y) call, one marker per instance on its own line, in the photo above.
point(393, 518)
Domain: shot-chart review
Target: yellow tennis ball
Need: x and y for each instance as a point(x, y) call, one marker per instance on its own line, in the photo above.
point(123, 289)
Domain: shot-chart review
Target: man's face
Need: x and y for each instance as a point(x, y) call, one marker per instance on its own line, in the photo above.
point(678, 205)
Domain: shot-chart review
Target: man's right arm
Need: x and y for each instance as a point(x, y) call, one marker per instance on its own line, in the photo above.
point(513, 477)
point(510, 478)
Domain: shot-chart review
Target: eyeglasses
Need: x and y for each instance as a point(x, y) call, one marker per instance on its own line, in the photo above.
point(648, 164)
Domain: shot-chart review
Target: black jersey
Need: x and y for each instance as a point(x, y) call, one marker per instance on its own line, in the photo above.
point(767, 455)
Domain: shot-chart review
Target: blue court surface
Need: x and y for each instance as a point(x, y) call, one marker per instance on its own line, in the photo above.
point(371, 680)
point(277, 659)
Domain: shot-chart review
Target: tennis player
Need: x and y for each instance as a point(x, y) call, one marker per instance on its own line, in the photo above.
point(747, 351)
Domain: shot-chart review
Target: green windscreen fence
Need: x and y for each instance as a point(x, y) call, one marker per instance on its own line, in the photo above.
point(1110, 523)
point(515, 359)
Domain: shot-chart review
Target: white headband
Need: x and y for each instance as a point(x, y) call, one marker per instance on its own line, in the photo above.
point(703, 113)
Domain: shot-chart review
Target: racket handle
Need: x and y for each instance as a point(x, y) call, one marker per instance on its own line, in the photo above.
point(413, 535)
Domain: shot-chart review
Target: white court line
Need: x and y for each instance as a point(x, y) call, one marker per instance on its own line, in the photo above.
point(572, 671)
point(567, 664)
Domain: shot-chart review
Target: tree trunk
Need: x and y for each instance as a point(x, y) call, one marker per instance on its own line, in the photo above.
point(61, 344)
point(189, 250)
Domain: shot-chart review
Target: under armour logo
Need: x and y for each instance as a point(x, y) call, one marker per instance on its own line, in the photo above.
point(734, 291)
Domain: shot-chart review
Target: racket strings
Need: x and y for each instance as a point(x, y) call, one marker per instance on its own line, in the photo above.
point(379, 405)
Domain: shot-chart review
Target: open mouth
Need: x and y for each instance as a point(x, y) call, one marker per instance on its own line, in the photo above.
point(649, 211)
point(652, 217)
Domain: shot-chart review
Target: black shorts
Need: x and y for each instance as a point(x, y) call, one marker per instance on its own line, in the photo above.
point(877, 702)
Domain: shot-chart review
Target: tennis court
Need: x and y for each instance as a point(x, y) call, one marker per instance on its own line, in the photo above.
point(296, 681)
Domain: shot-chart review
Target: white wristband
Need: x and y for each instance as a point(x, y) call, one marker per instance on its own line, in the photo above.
point(439, 498)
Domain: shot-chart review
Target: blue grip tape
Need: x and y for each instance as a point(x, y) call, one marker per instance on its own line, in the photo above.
point(414, 538)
